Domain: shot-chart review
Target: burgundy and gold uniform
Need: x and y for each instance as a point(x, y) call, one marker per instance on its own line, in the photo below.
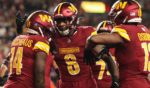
point(69, 58)
point(101, 73)
point(21, 68)
point(133, 56)
point(99, 69)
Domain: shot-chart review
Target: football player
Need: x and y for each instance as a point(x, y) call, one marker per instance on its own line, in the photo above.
point(19, 30)
point(30, 52)
point(70, 42)
point(4, 67)
point(131, 40)
point(99, 69)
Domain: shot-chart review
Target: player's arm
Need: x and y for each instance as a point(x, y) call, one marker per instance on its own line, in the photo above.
point(113, 69)
point(118, 35)
point(148, 77)
point(3, 74)
point(100, 39)
point(106, 39)
point(112, 66)
point(3, 70)
point(4, 66)
point(55, 66)
point(109, 38)
point(20, 22)
point(39, 71)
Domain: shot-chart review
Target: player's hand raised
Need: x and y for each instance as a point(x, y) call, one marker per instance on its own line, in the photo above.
point(20, 21)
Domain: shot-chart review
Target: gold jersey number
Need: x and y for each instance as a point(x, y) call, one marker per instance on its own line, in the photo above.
point(102, 69)
point(72, 65)
point(16, 59)
point(146, 47)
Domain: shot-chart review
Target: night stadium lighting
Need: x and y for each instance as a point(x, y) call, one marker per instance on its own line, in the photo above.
point(93, 6)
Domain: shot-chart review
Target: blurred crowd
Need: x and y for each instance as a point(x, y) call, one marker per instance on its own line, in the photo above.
point(8, 9)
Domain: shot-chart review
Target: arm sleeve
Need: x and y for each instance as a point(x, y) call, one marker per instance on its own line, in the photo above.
point(41, 46)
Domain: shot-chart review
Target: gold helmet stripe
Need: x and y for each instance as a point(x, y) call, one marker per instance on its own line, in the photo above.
point(59, 7)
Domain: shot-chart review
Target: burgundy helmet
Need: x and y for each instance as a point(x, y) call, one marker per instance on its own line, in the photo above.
point(65, 11)
point(104, 26)
point(126, 11)
point(40, 23)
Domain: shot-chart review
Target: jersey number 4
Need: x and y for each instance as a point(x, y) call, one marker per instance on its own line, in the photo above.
point(16, 59)
point(146, 47)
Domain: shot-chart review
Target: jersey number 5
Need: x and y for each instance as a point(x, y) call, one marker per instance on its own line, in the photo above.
point(72, 65)
point(16, 59)
point(146, 47)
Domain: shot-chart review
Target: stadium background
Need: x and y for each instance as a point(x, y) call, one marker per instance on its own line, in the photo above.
point(91, 12)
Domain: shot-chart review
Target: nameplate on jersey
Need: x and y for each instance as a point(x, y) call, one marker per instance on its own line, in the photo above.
point(22, 42)
point(144, 36)
point(69, 50)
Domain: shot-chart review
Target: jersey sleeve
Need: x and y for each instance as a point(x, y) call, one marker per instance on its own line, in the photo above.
point(122, 32)
point(41, 46)
point(94, 33)
point(92, 30)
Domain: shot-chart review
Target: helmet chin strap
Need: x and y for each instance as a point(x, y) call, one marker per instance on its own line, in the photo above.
point(118, 13)
point(32, 31)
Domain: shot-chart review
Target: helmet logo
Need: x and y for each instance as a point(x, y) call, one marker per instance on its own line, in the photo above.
point(67, 12)
point(72, 8)
point(45, 18)
point(121, 5)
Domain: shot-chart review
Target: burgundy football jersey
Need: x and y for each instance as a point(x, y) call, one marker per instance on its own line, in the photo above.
point(133, 56)
point(101, 73)
point(69, 57)
point(21, 68)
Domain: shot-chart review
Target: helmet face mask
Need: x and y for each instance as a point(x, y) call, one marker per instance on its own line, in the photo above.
point(65, 13)
point(63, 25)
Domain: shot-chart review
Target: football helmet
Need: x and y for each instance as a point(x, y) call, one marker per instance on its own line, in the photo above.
point(105, 26)
point(65, 12)
point(39, 23)
point(126, 11)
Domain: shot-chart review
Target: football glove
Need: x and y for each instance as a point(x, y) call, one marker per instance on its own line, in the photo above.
point(115, 82)
point(20, 21)
point(3, 80)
